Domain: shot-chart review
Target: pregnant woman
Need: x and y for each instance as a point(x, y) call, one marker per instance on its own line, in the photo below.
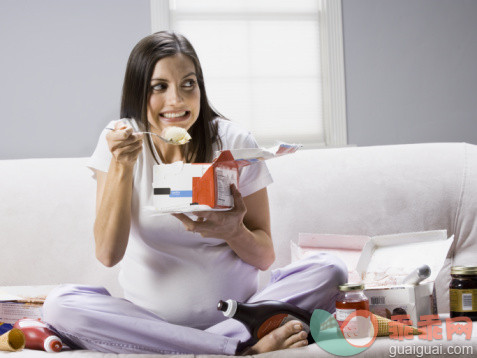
point(175, 268)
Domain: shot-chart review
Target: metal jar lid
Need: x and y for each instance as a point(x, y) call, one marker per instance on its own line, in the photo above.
point(464, 270)
point(351, 287)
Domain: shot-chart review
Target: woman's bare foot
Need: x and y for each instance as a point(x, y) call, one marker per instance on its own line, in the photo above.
point(290, 335)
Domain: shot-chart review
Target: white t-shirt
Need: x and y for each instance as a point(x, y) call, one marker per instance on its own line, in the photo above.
point(176, 274)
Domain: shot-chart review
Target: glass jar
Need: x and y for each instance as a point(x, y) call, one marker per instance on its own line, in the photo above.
point(463, 292)
point(350, 299)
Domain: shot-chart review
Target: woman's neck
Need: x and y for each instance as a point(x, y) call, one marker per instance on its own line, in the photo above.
point(167, 152)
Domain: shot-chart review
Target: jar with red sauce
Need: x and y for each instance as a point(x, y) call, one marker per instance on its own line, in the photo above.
point(350, 299)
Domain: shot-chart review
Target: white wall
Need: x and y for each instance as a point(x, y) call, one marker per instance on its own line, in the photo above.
point(62, 64)
point(411, 71)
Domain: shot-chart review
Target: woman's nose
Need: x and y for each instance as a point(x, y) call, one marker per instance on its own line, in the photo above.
point(174, 95)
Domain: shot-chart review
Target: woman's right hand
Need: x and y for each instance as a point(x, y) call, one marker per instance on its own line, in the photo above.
point(124, 144)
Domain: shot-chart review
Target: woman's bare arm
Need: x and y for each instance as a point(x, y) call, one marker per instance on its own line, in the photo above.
point(113, 197)
point(254, 245)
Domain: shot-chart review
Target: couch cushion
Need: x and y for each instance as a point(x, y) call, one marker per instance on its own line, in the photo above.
point(46, 217)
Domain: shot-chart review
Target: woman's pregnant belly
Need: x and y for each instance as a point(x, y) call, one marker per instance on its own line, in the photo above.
point(185, 288)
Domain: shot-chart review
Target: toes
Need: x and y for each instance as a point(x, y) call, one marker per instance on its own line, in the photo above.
point(290, 335)
point(297, 337)
point(299, 344)
point(293, 327)
point(281, 334)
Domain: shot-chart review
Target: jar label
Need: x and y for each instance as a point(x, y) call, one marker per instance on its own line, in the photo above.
point(342, 314)
point(463, 300)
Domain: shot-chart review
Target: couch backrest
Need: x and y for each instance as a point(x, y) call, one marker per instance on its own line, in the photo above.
point(378, 190)
point(47, 207)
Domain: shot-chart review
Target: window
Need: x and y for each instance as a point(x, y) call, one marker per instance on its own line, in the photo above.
point(264, 64)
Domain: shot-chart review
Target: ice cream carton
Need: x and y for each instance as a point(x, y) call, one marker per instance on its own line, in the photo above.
point(383, 263)
point(183, 187)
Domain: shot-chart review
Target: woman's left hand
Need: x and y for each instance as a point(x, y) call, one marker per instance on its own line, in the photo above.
point(245, 228)
point(218, 224)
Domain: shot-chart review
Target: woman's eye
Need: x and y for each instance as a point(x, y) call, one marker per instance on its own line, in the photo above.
point(158, 87)
point(189, 84)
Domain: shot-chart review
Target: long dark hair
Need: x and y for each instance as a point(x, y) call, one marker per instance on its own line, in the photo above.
point(137, 88)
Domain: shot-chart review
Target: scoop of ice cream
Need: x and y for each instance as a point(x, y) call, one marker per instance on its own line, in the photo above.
point(176, 135)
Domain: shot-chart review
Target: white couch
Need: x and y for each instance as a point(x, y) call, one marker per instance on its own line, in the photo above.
point(47, 213)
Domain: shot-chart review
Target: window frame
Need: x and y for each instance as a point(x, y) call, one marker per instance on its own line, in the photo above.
point(332, 66)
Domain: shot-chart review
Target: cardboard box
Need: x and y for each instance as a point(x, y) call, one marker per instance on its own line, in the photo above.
point(412, 301)
point(181, 187)
point(386, 260)
point(17, 302)
point(382, 262)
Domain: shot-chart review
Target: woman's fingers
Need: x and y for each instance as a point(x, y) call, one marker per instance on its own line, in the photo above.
point(127, 146)
point(218, 224)
point(124, 144)
point(120, 125)
point(124, 135)
point(203, 214)
point(187, 221)
point(201, 225)
point(239, 204)
point(121, 131)
point(134, 139)
point(129, 154)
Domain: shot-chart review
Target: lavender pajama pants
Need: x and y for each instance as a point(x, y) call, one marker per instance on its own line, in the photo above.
point(90, 318)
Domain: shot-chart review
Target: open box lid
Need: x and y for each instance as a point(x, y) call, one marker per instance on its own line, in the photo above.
point(347, 247)
point(252, 155)
point(386, 260)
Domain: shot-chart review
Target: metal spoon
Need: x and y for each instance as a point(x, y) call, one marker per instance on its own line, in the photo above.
point(157, 135)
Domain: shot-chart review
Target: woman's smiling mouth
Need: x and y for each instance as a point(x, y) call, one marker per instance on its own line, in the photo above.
point(174, 116)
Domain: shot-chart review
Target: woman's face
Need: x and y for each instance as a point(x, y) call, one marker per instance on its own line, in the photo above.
point(174, 99)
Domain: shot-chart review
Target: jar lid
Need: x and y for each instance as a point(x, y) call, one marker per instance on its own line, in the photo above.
point(464, 270)
point(351, 287)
